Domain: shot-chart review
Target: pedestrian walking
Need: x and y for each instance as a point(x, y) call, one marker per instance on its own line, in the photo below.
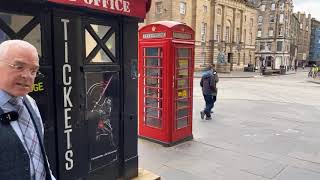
point(208, 83)
point(22, 150)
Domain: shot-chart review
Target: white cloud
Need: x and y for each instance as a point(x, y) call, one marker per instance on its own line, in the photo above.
point(308, 6)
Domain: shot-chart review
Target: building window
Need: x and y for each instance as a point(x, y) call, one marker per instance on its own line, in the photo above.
point(281, 6)
point(270, 31)
point(219, 11)
point(263, 7)
point(271, 18)
point(158, 7)
point(205, 9)
point(259, 32)
point(183, 8)
point(281, 18)
point(262, 46)
point(273, 6)
point(203, 32)
point(238, 35)
point(244, 36)
point(238, 15)
point(227, 35)
point(218, 32)
point(279, 45)
point(281, 31)
point(251, 22)
point(251, 39)
point(268, 47)
point(260, 19)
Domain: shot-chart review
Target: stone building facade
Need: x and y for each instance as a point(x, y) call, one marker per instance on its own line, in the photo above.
point(273, 36)
point(304, 37)
point(294, 34)
point(221, 26)
point(314, 55)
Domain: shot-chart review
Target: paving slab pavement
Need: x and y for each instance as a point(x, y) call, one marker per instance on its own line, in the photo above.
point(263, 129)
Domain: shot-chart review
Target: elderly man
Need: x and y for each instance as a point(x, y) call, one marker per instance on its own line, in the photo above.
point(22, 153)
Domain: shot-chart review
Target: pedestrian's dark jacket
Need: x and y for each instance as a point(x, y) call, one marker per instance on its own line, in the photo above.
point(209, 82)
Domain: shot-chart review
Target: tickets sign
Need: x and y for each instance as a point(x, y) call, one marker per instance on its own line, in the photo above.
point(135, 8)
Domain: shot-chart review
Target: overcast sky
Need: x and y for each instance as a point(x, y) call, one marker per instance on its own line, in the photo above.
point(308, 6)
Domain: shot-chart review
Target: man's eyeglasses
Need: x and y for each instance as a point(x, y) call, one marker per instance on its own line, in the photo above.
point(21, 68)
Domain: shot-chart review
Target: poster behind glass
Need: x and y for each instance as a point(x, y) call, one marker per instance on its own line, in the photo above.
point(102, 111)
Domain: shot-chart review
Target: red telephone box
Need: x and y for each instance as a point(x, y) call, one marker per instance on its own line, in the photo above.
point(166, 61)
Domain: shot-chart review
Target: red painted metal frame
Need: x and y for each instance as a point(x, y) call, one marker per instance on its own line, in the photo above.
point(150, 36)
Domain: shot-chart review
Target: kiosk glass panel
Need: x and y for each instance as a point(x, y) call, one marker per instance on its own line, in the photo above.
point(18, 25)
point(100, 30)
point(102, 34)
point(101, 57)
point(15, 21)
point(34, 37)
point(111, 44)
point(90, 43)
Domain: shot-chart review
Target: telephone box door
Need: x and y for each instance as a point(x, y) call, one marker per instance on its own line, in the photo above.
point(182, 91)
point(152, 89)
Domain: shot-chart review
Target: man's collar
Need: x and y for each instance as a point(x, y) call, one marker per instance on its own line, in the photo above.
point(4, 97)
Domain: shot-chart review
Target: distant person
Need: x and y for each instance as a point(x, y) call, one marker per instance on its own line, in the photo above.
point(22, 154)
point(208, 83)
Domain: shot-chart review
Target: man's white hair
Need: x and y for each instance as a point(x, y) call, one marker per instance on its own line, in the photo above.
point(7, 46)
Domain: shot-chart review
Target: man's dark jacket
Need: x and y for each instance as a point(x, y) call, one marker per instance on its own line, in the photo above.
point(14, 159)
point(209, 82)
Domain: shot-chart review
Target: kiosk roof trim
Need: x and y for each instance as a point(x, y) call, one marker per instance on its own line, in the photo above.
point(133, 8)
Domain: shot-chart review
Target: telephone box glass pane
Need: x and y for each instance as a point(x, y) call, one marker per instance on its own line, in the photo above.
point(183, 52)
point(183, 63)
point(152, 51)
point(153, 82)
point(183, 122)
point(153, 112)
point(182, 93)
point(182, 112)
point(152, 62)
point(182, 73)
point(182, 83)
point(153, 92)
point(153, 122)
point(153, 102)
point(154, 72)
point(182, 102)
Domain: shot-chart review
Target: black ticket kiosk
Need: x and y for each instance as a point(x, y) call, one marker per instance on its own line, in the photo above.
point(87, 93)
